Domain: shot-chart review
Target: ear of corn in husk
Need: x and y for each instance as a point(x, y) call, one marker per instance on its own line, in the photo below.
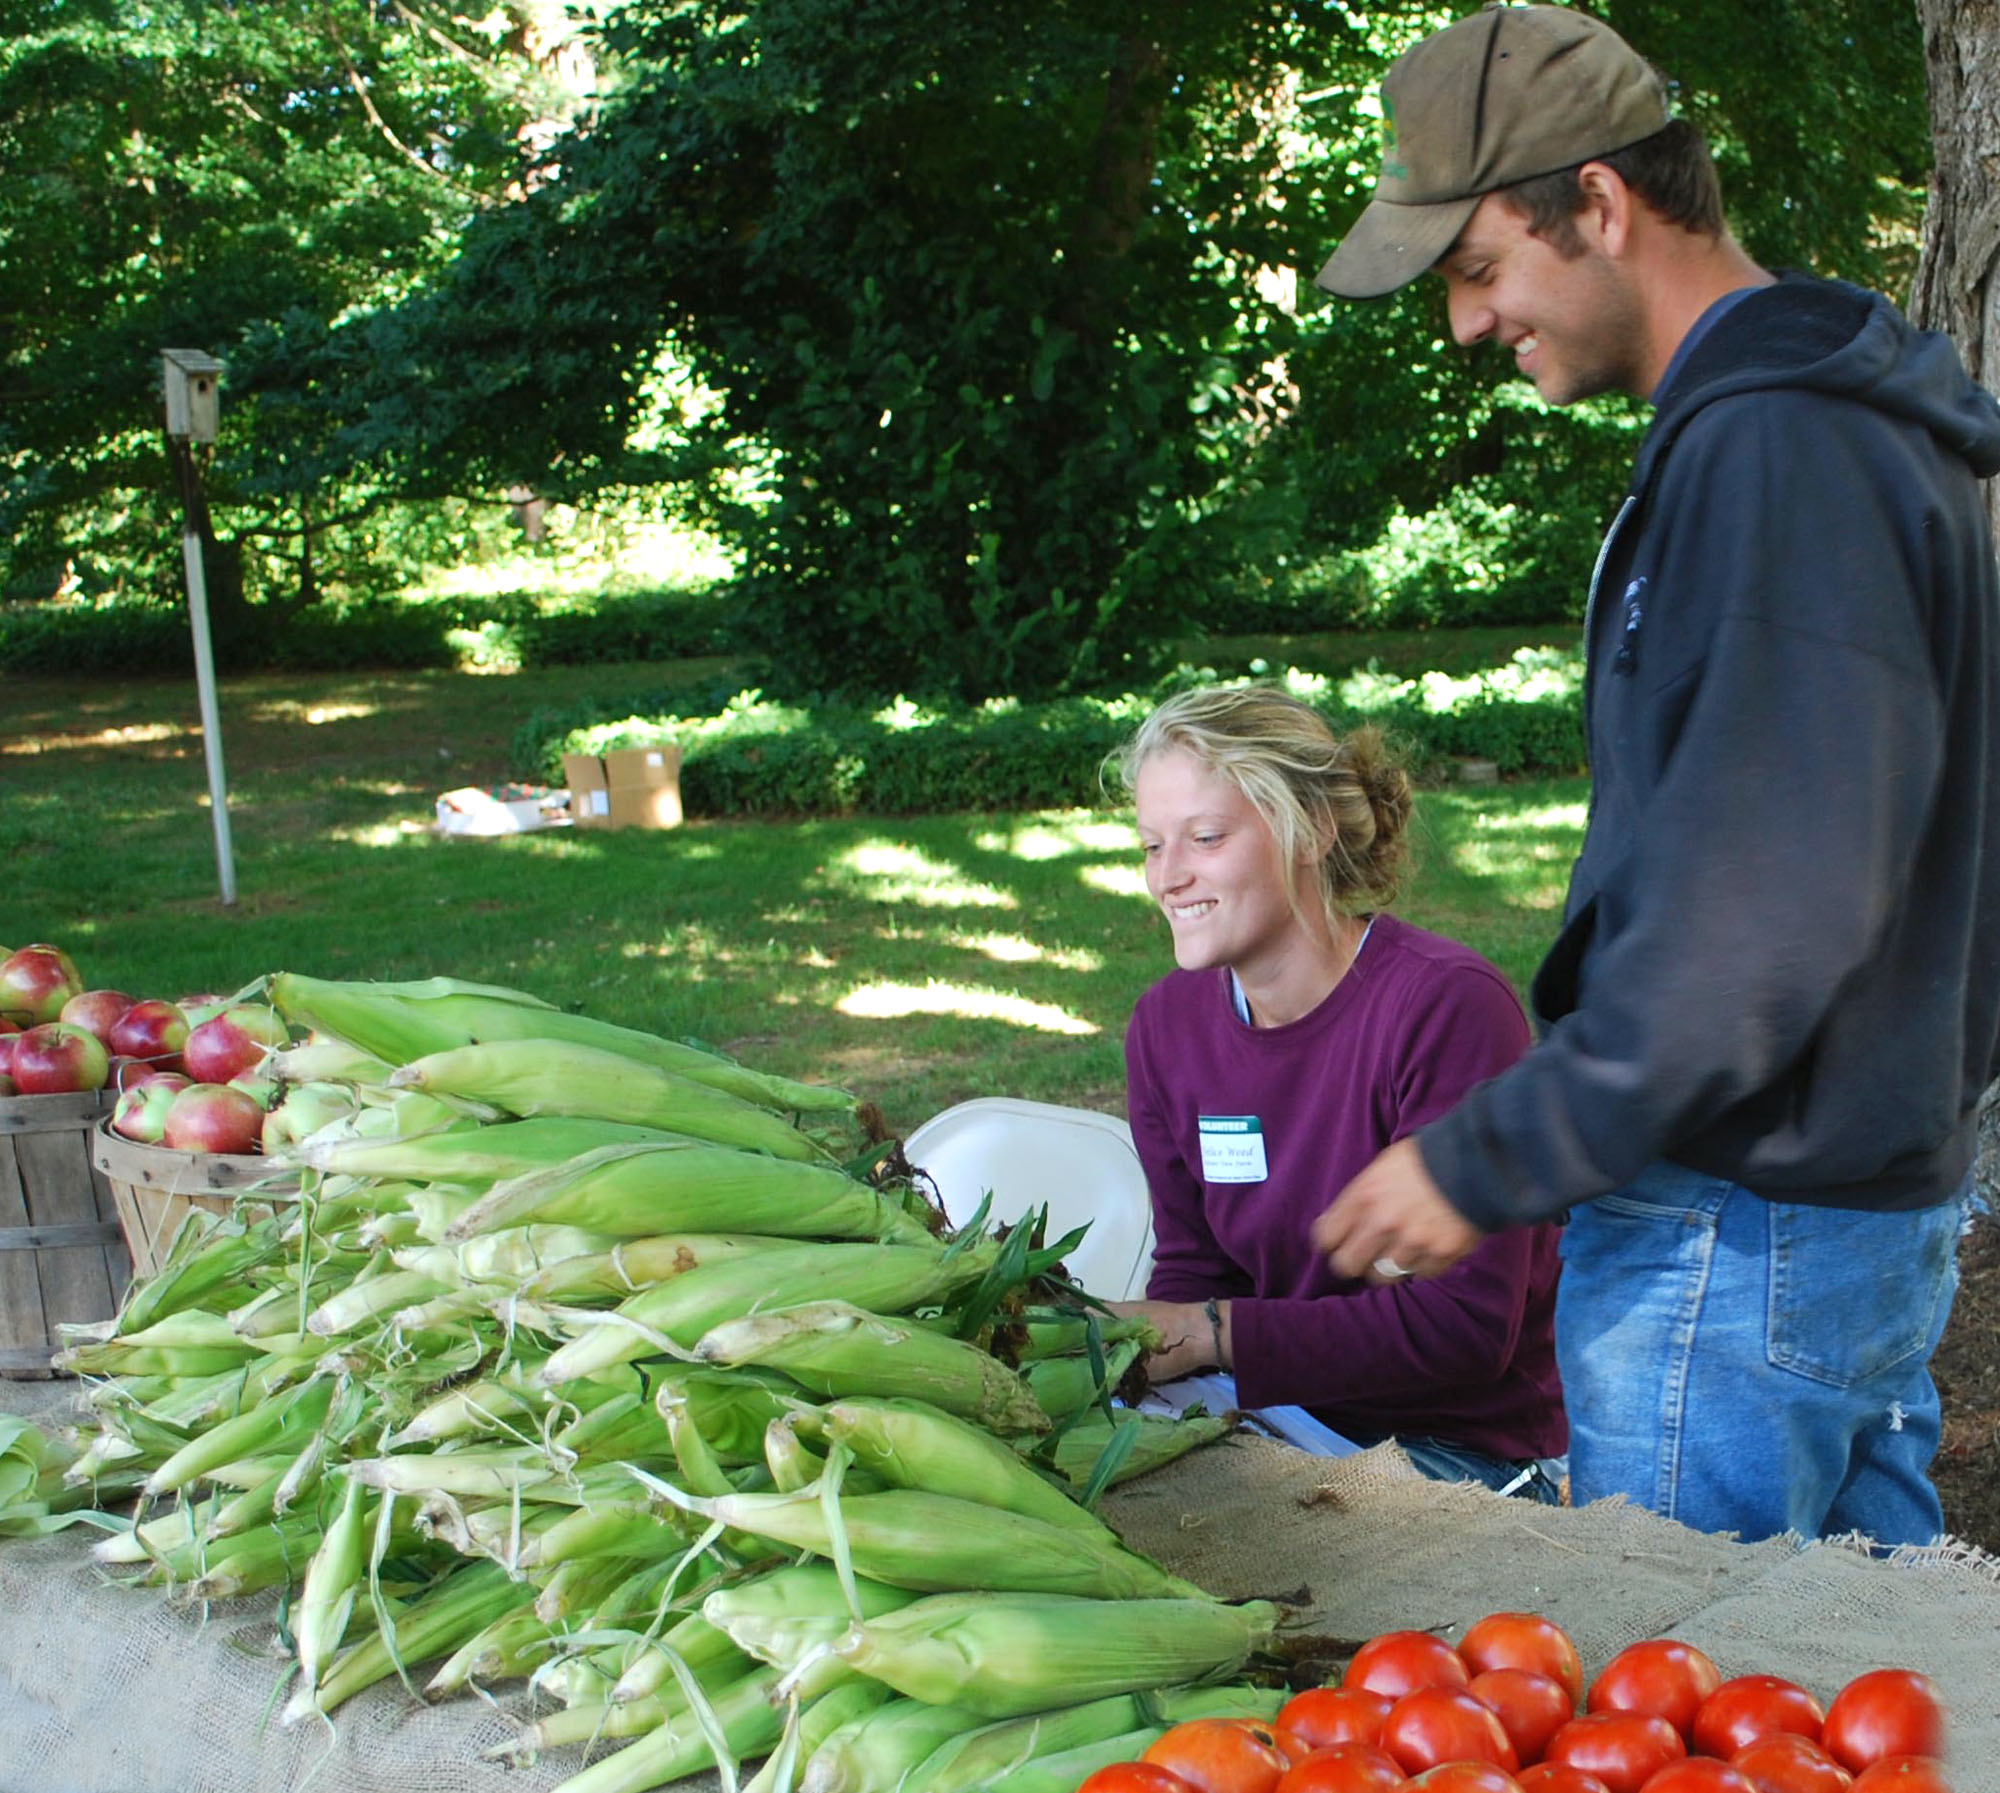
point(682, 1310)
point(622, 1267)
point(319, 1621)
point(1161, 1438)
point(674, 1187)
point(481, 1155)
point(913, 1444)
point(743, 1713)
point(1005, 1654)
point(542, 1077)
point(878, 1749)
point(839, 1348)
point(1066, 1385)
point(817, 1722)
point(407, 1022)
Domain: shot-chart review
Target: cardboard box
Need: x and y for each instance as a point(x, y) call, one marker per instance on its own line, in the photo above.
point(631, 787)
point(501, 809)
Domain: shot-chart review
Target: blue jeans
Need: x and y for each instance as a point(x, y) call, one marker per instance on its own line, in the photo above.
point(1756, 1367)
point(1442, 1461)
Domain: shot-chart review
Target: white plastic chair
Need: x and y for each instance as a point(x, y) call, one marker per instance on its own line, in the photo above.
point(1082, 1164)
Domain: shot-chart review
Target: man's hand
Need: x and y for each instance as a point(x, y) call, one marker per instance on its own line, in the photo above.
point(1187, 1341)
point(1393, 1220)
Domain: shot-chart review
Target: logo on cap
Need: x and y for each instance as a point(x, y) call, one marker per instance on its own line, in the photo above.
point(1392, 163)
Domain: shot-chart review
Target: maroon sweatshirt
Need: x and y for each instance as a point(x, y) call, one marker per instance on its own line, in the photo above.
point(1292, 1113)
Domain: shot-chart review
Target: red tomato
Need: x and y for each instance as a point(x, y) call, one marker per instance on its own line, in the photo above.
point(1134, 1777)
point(1623, 1749)
point(1343, 1768)
point(1786, 1763)
point(1400, 1662)
point(1531, 1708)
point(1524, 1640)
point(1436, 1725)
point(1753, 1706)
point(1559, 1777)
point(1903, 1774)
point(1466, 1777)
point(1699, 1774)
point(1663, 1676)
point(1219, 1755)
point(1323, 1716)
point(1886, 1712)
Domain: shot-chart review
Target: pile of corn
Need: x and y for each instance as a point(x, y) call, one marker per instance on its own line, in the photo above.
point(582, 1360)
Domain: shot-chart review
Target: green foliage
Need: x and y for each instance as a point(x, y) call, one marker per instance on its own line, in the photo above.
point(503, 632)
point(756, 756)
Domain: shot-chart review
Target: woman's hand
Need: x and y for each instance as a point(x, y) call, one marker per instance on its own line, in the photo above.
point(1188, 1343)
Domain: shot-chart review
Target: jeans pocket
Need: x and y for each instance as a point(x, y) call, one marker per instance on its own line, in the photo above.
point(1855, 1295)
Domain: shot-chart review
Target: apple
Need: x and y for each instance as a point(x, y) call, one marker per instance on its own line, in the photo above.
point(57, 1059)
point(141, 1112)
point(7, 1085)
point(204, 1007)
point(35, 982)
point(212, 1117)
point(307, 1108)
point(264, 1091)
point(231, 1043)
point(154, 1031)
point(7, 1039)
point(96, 1011)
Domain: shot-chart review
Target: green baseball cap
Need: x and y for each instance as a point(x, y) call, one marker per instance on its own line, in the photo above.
point(1502, 96)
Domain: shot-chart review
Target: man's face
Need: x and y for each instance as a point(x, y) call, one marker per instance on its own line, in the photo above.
point(1572, 321)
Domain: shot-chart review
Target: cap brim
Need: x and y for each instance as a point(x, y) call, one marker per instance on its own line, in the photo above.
point(1390, 245)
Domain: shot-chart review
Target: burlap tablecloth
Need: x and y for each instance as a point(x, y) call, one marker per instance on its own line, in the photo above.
point(109, 1690)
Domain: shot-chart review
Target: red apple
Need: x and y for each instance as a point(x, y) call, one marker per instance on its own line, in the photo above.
point(231, 1043)
point(7, 1040)
point(204, 1007)
point(97, 1011)
point(211, 1117)
point(35, 982)
point(141, 1112)
point(154, 1030)
point(58, 1058)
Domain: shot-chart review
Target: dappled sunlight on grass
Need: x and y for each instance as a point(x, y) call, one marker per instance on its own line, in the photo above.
point(371, 834)
point(1013, 949)
point(890, 1001)
point(1046, 837)
point(131, 734)
point(288, 709)
point(1117, 880)
point(898, 873)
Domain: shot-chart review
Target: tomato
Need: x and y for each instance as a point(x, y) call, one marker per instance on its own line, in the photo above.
point(1400, 1662)
point(1531, 1708)
point(1698, 1774)
point(1219, 1755)
point(1466, 1777)
point(1436, 1725)
point(1134, 1777)
point(1753, 1706)
point(1886, 1712)
point(1343, 1768)
point(1787, 1763)
point(1524, 1640)
point(1322, 1716)
point(1559, 1777)
point(1663, 1676)
point(1623, 1749)
point(1903, 1774)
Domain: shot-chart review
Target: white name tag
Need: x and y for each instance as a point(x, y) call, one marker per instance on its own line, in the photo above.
point(1232, 1148)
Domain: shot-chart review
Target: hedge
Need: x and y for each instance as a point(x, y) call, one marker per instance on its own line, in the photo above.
point(752, 757)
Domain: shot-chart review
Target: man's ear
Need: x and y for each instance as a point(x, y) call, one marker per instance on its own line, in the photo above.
point(1606, 217)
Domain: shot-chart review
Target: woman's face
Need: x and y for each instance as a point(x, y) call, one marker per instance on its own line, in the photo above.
point(1213, 866)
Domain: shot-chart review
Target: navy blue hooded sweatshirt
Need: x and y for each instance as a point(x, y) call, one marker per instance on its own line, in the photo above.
point(1780, 956)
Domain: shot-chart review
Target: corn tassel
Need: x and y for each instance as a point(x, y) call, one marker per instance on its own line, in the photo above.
point(1006, 1654)
point(540, 1077)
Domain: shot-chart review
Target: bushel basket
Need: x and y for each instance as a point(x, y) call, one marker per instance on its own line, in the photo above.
point(156, 1188)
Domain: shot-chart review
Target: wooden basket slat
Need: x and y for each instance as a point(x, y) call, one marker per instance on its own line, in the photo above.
point(154, 1189)
point(62, 1259)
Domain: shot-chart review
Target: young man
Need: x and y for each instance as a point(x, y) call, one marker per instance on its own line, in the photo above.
point(1775, 998)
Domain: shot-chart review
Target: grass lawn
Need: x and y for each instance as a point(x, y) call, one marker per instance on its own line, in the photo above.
point(917, 961)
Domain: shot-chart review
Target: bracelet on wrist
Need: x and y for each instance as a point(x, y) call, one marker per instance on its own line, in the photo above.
point(1214, 1314)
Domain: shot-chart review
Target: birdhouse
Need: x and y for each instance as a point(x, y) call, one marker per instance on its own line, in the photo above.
point(193, 395)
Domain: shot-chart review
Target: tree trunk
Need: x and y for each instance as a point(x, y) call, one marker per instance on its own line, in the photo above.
point(1958, 280)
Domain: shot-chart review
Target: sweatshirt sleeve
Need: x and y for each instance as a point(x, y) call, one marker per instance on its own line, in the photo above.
point(1397, 1340)
point(1778, 836)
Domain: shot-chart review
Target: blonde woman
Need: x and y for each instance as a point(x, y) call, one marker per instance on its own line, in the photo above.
point(1306, 1029)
